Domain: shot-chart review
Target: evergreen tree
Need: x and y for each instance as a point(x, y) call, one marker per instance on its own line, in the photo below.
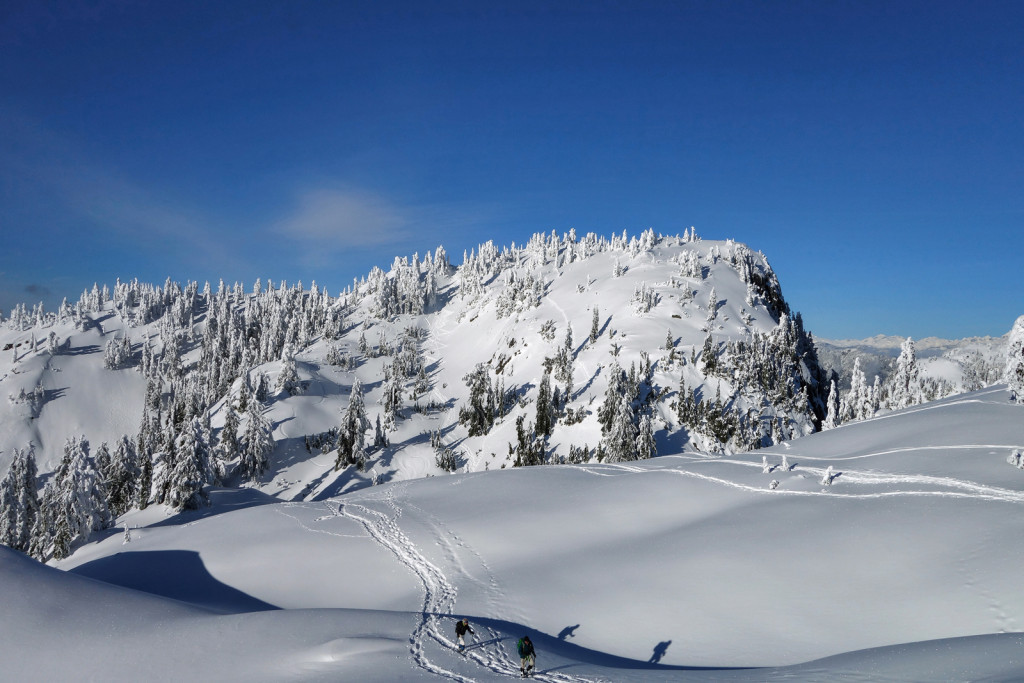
point(392, 396)
point(646, 446)
point(670, 346)
point(259, 392)
point(145, 488)
point(380, 438)
point(595, 325)
point(712, 305)
point(478, 417)
point(75, 500)
point(192, 468)
point(708, 356)
point(352, 433)
point(257, 445)
point(904, 385)
point(606, 414)
point(545, 419)
point(123, 477)
point(244, 394)
point(1015, 360)
point(858, 397)
point(620, 442)
point(288, 378)
point(102, 458)
point(832, 418)
point(228, 446)
point(10, 510)
point(19, 501)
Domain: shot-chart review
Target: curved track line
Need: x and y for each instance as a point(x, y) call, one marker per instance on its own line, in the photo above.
point(438, 599)
point(969, 490)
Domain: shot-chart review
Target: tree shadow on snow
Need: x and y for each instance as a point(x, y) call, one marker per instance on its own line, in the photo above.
point(176, 574)
point(86, 350)
point(221, 500)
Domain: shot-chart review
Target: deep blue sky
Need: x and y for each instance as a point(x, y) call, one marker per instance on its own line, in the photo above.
point(873, 150)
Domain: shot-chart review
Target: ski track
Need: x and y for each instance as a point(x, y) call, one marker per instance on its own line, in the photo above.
point(438, 599)
point(961, 489)
point(909, 449)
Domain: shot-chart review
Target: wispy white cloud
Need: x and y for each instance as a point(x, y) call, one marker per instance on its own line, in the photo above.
point(333, 219)
point(328, 220)
point(47, 164)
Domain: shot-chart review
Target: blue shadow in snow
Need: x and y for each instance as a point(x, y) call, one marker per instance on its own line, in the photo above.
point(221, 500)
point(176, 574)
point(545, 643)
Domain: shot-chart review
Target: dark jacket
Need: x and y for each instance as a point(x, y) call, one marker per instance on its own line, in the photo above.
point(462, 627)
point(525, 647)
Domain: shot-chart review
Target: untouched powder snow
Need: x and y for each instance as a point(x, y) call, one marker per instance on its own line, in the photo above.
point(904, 567)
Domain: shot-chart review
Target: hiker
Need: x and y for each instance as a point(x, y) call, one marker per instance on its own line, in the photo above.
point(527, 657)
point(460, 631)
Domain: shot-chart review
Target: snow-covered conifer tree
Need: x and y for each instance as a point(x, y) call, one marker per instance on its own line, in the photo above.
point(288, 378)
point(646, 446)
point(227, 439)
point(545, 418)
point(19, 501)
point(1015, 360)
point(352, 432)
point(257, 445)
point(595, 325)
point(904, 385)
point(75, 500)
point(380, 439)
point(621, 440)
point(606, 414)
point(392, 400)
point(192, 468)
point(478, 416)
point(832, 418)
point(712, 305)
point(858, 399)
point(123, 477)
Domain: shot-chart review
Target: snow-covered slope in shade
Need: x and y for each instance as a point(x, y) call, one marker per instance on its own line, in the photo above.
point(686, 560)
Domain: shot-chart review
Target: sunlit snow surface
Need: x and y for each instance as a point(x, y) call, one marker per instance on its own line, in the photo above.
point(679, 568)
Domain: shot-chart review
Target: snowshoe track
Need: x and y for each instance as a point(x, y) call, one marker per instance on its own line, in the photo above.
point(438, 599)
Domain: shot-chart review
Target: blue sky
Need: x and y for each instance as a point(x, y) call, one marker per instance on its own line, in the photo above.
point(873, 150)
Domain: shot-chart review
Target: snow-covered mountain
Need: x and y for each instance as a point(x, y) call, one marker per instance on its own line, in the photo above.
point(954, 365)
point(652, 315)
point(315, 487)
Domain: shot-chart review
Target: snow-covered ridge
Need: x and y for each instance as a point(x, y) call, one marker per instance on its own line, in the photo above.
point(503, 308)
point(313, 426)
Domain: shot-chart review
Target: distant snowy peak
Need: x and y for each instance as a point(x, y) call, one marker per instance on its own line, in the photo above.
point(882, 342)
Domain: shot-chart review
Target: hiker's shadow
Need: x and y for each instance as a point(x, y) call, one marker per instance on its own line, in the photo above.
point(568, 632)
point(483, 643)
point(659, 651)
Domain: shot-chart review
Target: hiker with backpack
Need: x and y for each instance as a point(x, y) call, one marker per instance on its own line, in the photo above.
point(461, 628)
point(527, 656)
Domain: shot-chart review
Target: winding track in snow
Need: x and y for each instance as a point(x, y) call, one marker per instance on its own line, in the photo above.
point(952, 488)
point(438, 599)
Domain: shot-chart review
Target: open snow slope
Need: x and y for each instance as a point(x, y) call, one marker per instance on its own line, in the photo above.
point(679, 568)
